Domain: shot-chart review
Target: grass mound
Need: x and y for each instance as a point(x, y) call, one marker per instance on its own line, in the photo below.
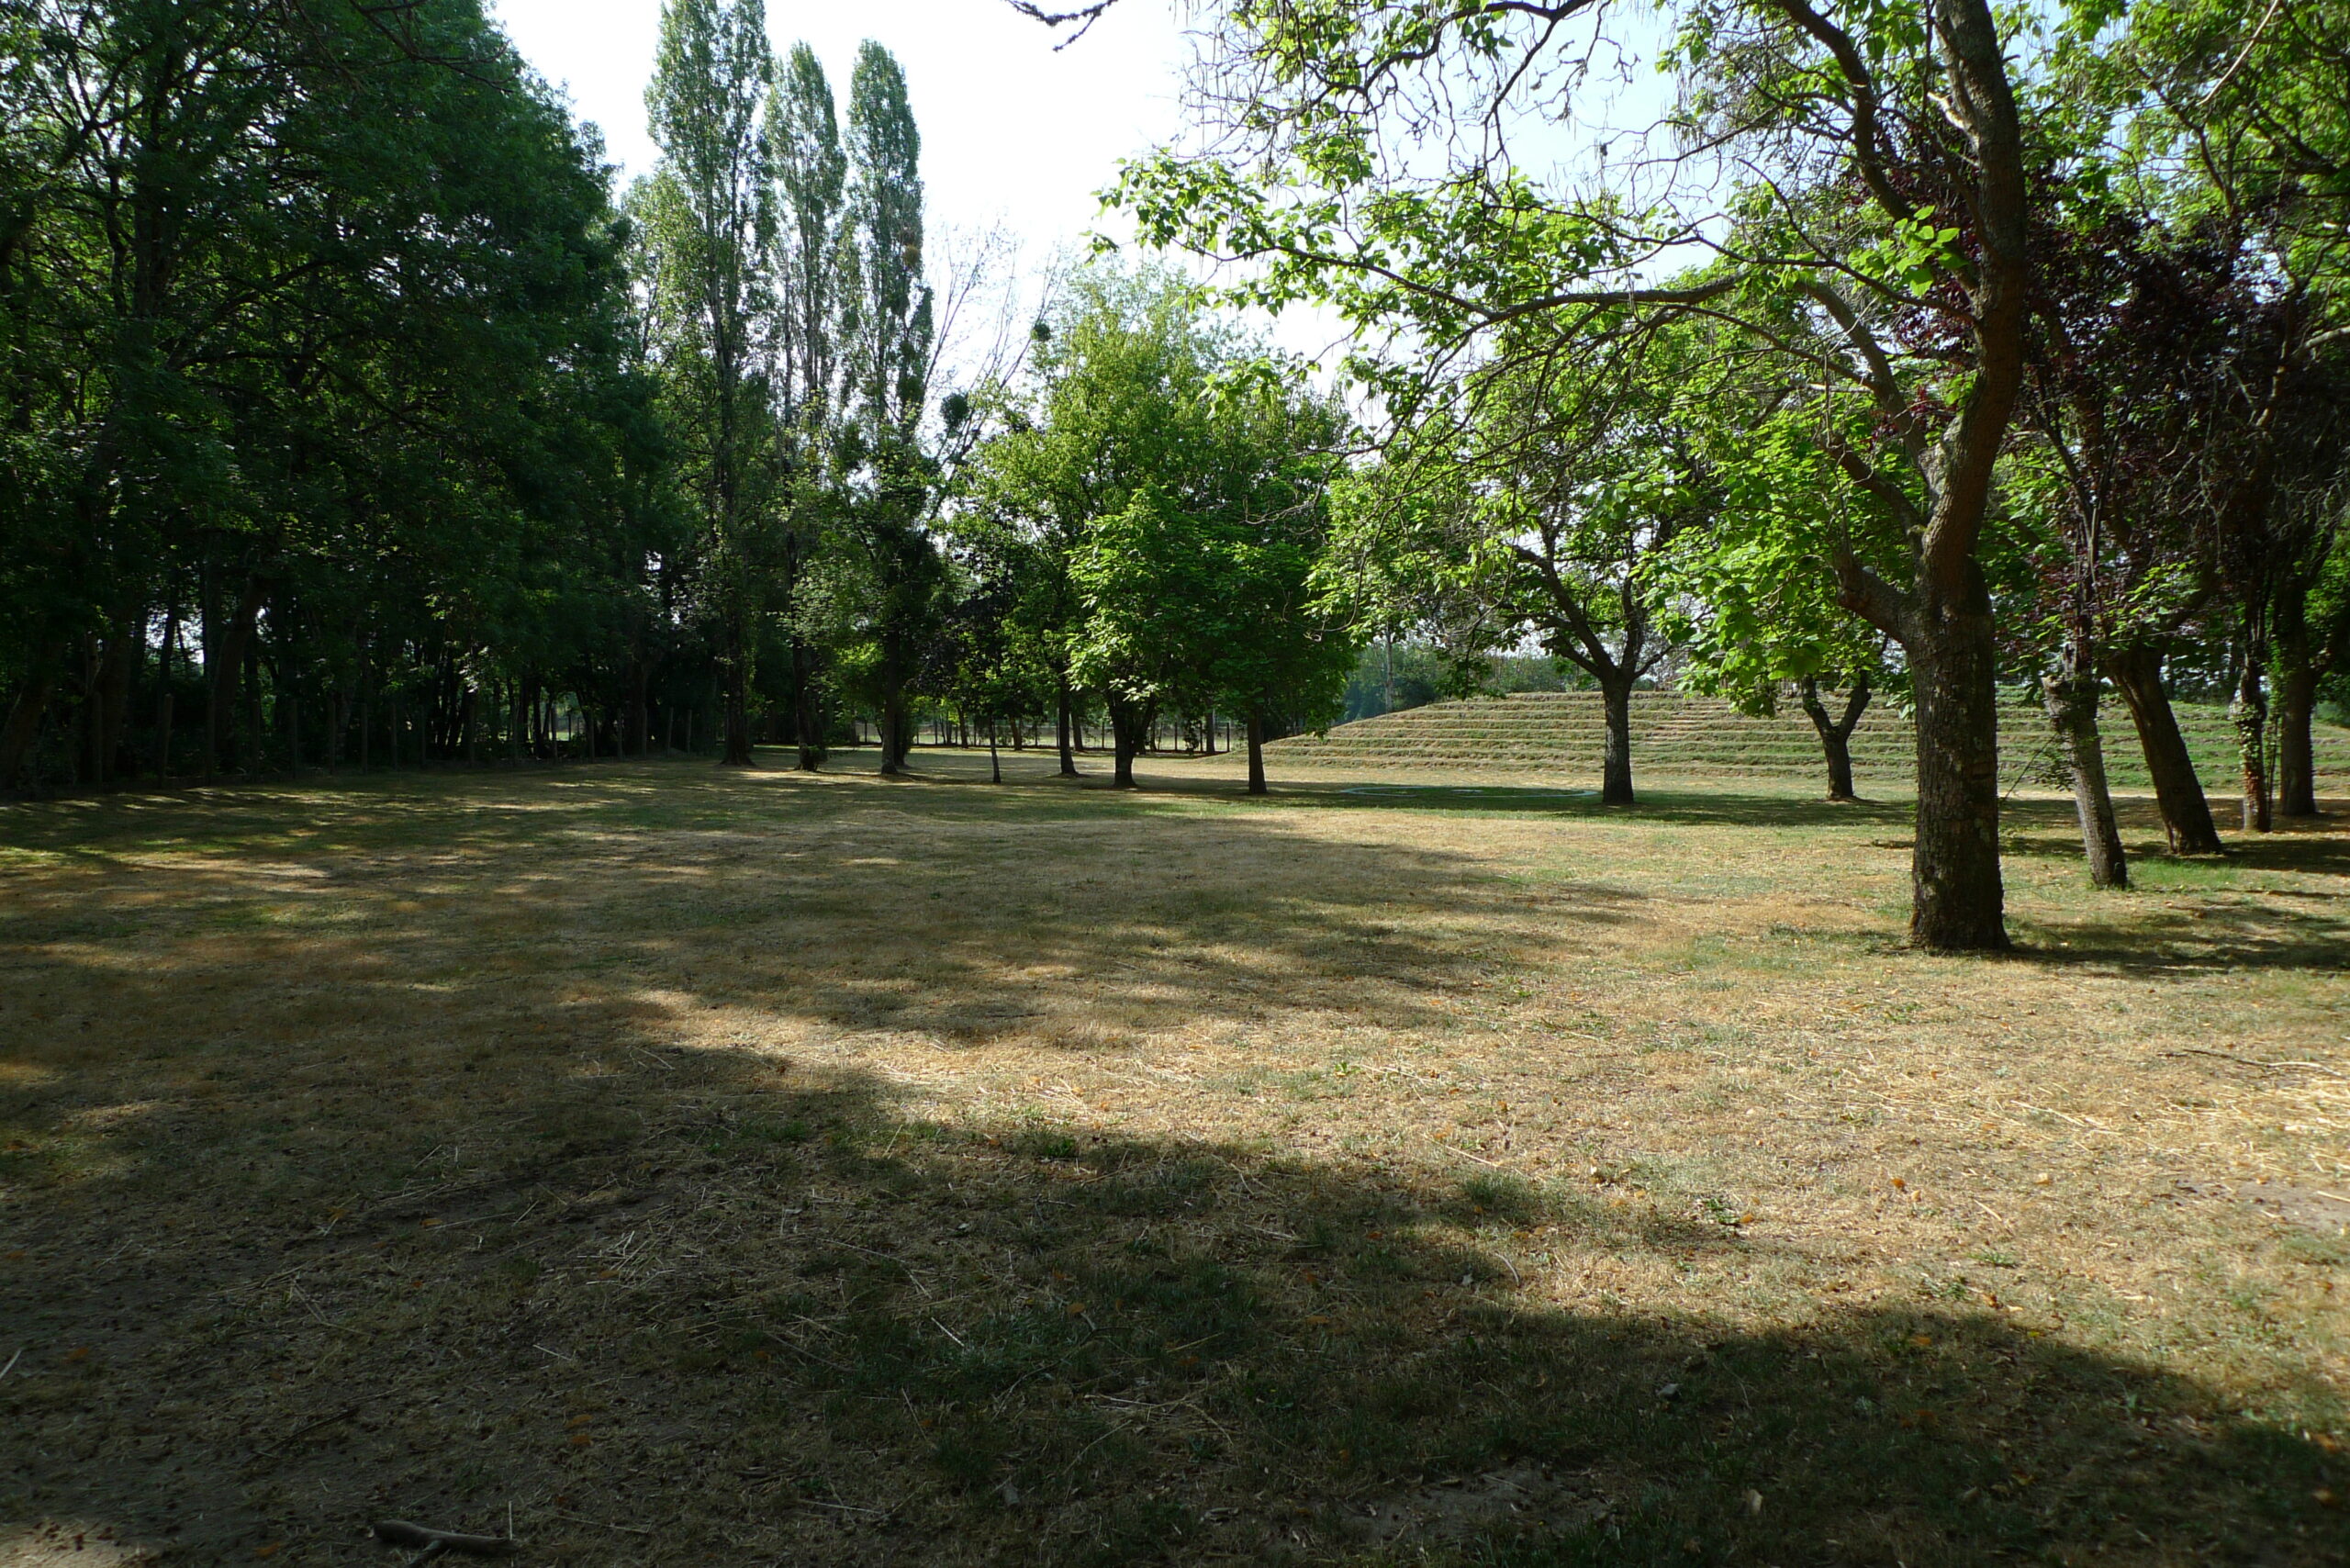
point(1682, 736)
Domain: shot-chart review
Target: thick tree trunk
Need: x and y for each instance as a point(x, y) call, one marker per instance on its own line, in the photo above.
point(1836, 734)
point(23, 726)
point(1616, 768)
point(2296, 702)
point(2178, 792)
point(2249, 713)
point(2298, 675)
point(1958, 901)
point(897, 730)
point(1128, 728)
point(2071, 693)
point(1256, 753)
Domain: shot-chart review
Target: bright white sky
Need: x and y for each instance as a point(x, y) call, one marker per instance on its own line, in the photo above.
point(1012, 131)
point(1015, 133)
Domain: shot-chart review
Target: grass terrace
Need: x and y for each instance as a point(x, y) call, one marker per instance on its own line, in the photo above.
point(1682, 736)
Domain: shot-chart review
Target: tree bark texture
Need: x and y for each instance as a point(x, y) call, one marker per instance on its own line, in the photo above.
point(1065, 732)
point(897, 730)
point(2070, 691)
point(1256, 754)
point(2301, 665)
point(2296, 702)
point(1958, 901)
point(1129, 727)
point(2178, 791)
point(1615, 766)
point(2249, 713)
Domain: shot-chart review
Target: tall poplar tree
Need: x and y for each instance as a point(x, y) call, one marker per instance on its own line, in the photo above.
point(888, 339)
point(709, 215)
point(812, 174)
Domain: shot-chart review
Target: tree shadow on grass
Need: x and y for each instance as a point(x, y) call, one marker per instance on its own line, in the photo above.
point(417, 1183)
point(716, 1311)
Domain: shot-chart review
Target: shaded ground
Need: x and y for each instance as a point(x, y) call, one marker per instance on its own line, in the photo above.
point(696, 1168)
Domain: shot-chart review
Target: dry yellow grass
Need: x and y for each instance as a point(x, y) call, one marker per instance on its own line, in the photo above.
point(699, 1168)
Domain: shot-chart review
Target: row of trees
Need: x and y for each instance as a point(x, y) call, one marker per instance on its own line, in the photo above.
point(317, 389)
point(352, 418)
point(1917, 344)
point(1129, 512)
point(350, 415)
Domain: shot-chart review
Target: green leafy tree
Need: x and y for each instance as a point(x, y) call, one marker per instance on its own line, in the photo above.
point(1882, 236)
point(1752, 597)
point(1163, 489)
point(322, 414)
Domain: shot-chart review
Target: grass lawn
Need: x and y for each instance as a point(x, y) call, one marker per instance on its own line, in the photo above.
point(684, 1167)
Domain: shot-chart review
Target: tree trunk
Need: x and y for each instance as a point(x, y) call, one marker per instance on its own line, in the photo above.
point(164, 660)
point(1128, 727)
point(2296, 702)
point(2071, 693)
point(1958, 901)
point(2296, 696)
point(897, 730)
point(1065, 734)
point(2187, 815)
point(125, 650)
point(87, 719)
point(1616, 769)
point(807, 717)
point(995, 764)
point(737, 752)
point(256, 744)
point(2249, 713)
point(17, 736)
point(639, 705)
point(1256, 753)
point(1836, 734)
point(224, 657)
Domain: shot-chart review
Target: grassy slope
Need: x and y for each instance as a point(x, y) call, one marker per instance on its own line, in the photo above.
point(758, 1169)
point(1684, 737)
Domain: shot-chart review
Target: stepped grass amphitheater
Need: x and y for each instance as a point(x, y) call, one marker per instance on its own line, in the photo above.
point(1682, 736)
